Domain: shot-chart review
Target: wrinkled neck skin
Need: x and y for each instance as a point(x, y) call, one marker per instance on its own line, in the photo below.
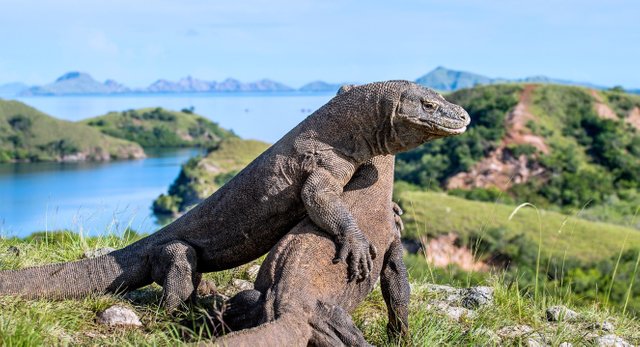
point(369, 128)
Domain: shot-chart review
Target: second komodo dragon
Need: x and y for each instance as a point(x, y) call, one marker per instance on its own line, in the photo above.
point(301, 298)
point(303, 173)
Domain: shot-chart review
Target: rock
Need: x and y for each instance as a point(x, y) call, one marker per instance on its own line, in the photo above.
point(492, 338)
point(515, 331)
point(557, 313)
point(439, 289)
point(207, 287)
point(14, 251)
point(119, 316)
point(241, 285)
point(94, 253)
point(252, 272)
point(604, 326)
point(531, 342)
point(475, 297)
point(565, 344)
point(612, 341)
point(455, 313)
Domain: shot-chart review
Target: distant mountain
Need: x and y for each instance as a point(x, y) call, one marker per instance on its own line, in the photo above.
point(441, 78)
point(445, 79)
point(76, 83)
point(12, 88)
point(187, 84)
point(320, 86)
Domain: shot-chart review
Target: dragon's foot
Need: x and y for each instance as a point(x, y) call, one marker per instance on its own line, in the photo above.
point(332, 326)
point(174, 268)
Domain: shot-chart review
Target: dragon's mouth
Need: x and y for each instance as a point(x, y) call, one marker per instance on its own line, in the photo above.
point(438, 129)
point(451, 131)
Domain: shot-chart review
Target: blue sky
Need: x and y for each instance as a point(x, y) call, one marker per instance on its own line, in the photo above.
point(296, 41)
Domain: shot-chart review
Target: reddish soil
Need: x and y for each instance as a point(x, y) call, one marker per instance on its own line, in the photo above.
point(634, 118)
point(442, 251)
point(603, 110)
point(501, 169)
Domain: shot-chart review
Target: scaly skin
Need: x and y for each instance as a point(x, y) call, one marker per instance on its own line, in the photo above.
point(302, 174)
point(302, 297)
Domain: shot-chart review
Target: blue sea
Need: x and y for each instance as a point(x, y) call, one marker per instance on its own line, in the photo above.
point(98, 198)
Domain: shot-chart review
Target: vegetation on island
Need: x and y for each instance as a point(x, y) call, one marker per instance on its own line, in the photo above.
point(29, 135)
point(157, 127)
point(201, 176)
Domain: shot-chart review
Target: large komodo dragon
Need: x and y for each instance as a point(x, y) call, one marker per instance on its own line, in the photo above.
point(302, 298)
point(303, 173)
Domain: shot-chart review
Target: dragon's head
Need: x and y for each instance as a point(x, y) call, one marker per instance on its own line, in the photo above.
point(421, 115)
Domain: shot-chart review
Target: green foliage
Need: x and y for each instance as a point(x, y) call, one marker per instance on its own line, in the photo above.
point(157, 127)
point(434, 162)
point(201, 176)
point(490, 194)
point(592, 158)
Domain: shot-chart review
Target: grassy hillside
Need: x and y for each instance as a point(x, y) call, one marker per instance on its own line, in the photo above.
point(27, 134)
point(157, 127)
point(594, 260)
point(201, 176)
point(429, 214)
point(557, 146)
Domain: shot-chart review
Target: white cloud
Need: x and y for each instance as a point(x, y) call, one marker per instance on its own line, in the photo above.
point(100, 43)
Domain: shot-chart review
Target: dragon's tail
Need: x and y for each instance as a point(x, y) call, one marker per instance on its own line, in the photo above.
point(287, 330)
point(113, 272)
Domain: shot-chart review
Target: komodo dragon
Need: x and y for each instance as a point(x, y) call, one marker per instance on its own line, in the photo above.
point(303, 173)
point(302, 298)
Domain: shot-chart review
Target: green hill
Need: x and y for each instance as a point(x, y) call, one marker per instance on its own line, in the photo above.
point(557, 146)
point(157, 127)
point(201, 176)
point(27, 134)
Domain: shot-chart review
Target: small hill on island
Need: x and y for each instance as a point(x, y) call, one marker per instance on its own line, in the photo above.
point(27, 134)
point(157, 127)
point(201, 176)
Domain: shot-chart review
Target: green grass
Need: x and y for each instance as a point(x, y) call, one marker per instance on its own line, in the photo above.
point(27, 134)
point(157, 127)
point(26, 322)
point(428, 213)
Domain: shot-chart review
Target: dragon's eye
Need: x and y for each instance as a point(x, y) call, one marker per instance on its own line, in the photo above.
point(429, 106)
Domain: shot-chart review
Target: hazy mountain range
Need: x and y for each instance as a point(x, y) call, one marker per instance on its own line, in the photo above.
point(79, 83)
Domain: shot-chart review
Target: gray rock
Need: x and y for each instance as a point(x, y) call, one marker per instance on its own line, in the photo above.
point(612, 341)
point(14, 251)
point(455, 313)
point(441, 289)
point(492, 338)
point(557, 313)
point(475, 297)
point(252, 272)
point(241, 285)
point(119, 316)
point(565, 344)
point(515, 331)
point(94, 253)
point(604, 326)
point(531, 342)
